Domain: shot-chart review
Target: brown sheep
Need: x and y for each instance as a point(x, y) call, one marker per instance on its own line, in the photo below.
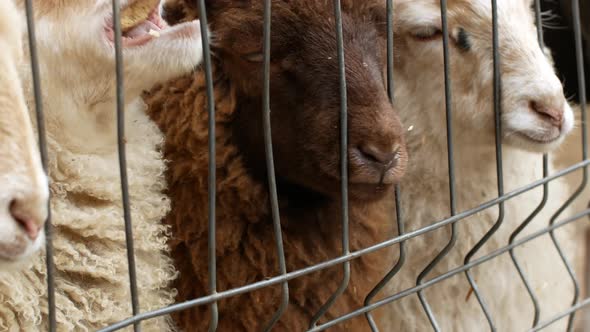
point(305, 120)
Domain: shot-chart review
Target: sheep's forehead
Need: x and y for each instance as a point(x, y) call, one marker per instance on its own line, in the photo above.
point(516, 22)
point(476, 12)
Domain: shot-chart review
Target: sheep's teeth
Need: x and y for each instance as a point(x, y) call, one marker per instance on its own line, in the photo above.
point(154, 33)
point(136, 13)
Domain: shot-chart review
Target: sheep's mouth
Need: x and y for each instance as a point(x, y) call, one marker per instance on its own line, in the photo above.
point(141, 22)
point(12, 250)
point(369, 186)
point(539, 139)
point(368, 173)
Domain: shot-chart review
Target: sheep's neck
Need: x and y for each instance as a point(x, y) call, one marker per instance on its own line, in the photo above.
point(81, 117)
point(474, 164)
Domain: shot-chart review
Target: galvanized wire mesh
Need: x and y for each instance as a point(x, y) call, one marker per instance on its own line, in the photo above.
point(284, 277)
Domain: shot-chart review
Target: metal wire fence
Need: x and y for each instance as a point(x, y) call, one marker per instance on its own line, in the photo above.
point(422, 282)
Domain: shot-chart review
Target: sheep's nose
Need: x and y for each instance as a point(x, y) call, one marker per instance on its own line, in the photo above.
point(549, 113)
point(29, 216)
point(383, 157)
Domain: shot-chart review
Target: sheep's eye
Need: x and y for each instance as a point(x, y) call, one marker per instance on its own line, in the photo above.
point(462, 40)
point(254, 57)
point(427, 34)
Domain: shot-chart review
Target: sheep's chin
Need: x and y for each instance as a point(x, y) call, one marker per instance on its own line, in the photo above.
point(368, 192)
point(524, 130)
point(524, 142)
point(15, 265)
point(23, 260)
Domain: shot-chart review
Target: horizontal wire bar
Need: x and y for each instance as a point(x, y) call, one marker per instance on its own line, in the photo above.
point(351, 256)
point(571, 310)
point(451, 273)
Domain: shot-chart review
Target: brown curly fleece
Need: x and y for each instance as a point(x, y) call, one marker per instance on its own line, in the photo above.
point(246, 249)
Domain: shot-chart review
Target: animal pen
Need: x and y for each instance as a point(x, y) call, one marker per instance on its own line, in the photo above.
point(426, 278)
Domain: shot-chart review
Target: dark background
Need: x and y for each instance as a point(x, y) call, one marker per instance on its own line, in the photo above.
point(559, 37)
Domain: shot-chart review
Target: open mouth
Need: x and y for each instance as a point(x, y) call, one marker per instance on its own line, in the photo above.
point(141, 22)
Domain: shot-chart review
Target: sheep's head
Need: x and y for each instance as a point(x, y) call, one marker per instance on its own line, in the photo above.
point(76, 43)
point(23, 184)
point(535, 113)
point(305, 95)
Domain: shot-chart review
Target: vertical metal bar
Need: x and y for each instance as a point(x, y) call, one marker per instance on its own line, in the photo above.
point(343, 165)
point(400, 225)
point(272, 183)
point(518, 230)
point(212, 165)
point(539, 23)
point(531, 217)
point(499, 172)
point(582, 94)
point(390, 63)
point(123, 160)
point(451, 166)
point(394, 270)
point(43, 151)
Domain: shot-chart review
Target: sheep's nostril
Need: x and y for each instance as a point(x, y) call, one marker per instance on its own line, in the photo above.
point(551, 114)
point(384, 157)
point(28, 223)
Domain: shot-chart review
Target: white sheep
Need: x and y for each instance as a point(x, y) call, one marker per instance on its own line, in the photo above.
point(23, 184)
point(76, 50)
point(535, 118)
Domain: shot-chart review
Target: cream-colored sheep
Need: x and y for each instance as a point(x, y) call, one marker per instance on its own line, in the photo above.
point(23, 184)
point(535, 118)
point(75, 43)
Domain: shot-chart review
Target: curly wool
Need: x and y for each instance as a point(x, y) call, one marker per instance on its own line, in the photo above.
point(92, 281)
point(78, 81)
point(246, 250)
